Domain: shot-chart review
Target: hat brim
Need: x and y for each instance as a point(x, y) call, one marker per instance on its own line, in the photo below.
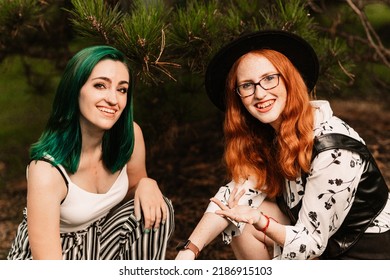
point(297, 50)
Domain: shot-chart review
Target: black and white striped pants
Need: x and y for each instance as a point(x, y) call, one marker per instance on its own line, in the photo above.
point(119, 236)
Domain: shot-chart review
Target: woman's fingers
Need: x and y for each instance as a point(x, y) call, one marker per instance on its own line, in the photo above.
point(137, 209)
point(164, 211)
point(232, 197)
point(235, 197)
point(155, 216)
point(231, 215)
point(219, 203)
point(149, 218)
point(161, 215)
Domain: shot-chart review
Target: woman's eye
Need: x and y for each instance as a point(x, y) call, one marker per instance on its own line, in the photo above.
point(99, 86)
point(270, 77)
point(123, 90)
point(247, 85)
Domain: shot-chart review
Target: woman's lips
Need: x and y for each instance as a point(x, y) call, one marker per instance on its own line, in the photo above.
point(265, 106)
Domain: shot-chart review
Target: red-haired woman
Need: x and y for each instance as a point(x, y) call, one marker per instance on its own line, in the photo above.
point(303, 184)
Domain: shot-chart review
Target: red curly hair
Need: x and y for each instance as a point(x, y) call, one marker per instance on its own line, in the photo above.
point(254, 148)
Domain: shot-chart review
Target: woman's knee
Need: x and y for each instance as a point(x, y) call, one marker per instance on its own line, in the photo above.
point(250, 244)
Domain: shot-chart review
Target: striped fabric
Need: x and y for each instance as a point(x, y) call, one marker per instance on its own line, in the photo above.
point(118, 236)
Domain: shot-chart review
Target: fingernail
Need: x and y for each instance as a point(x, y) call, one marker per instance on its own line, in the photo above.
point(155, 229)
point(146, 230)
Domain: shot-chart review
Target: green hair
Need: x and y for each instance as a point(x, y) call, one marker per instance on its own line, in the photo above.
point(61, 138)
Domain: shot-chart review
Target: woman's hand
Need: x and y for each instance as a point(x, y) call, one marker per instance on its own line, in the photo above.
point(149, 199)
point(238, 213)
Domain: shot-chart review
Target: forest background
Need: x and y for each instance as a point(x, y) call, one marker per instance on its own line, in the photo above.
point(169, 44)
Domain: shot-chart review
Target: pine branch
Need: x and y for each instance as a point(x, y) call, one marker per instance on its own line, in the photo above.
point(140, 33)
point(142, 37)
point(200, 28)
point(95, 20)
point(18, 18)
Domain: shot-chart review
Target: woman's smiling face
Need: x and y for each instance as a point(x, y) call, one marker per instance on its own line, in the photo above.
point(265, 105)
point(104, 95)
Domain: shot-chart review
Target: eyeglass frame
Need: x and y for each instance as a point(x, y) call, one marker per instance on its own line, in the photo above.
point(258, 84)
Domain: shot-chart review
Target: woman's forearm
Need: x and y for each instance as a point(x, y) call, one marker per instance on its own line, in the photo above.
point(208, 228)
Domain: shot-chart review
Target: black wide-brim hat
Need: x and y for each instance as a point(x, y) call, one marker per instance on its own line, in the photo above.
point(296, 49)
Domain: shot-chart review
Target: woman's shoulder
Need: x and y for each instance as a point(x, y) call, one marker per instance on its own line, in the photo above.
point(137, 128)
point(45, 173)
point(337, 126)
point(326, 122)
point(138, 136)
point(45, 184)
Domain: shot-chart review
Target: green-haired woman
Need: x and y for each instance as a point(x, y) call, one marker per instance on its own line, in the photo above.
point(88, 193)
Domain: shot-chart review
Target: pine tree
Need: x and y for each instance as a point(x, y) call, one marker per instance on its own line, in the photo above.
point(169, 40)
point(158, 37)
point(35, 29)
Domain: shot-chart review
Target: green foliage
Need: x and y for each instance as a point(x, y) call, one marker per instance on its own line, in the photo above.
point(19, 14)
point(33, 28)
point(291, 16)
point(17, 18)
point(378, 14)
point(358, 30)
point(196, 31)
point(158, 39)
point(191, 32)
point(336, 69)
point(95, 20)
point(22, 118)
point(140, 34)
point(142, 38)
point(166, 41)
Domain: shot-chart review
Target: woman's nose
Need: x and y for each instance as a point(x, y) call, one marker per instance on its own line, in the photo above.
point(111, 97)
point(260, 93)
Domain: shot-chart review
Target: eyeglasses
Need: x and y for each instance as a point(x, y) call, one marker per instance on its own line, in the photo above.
point(249, 88)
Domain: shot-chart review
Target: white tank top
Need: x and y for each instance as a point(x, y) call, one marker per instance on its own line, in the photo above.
point(81, 208)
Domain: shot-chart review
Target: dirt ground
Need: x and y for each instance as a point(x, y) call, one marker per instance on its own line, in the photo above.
point(191, 172)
